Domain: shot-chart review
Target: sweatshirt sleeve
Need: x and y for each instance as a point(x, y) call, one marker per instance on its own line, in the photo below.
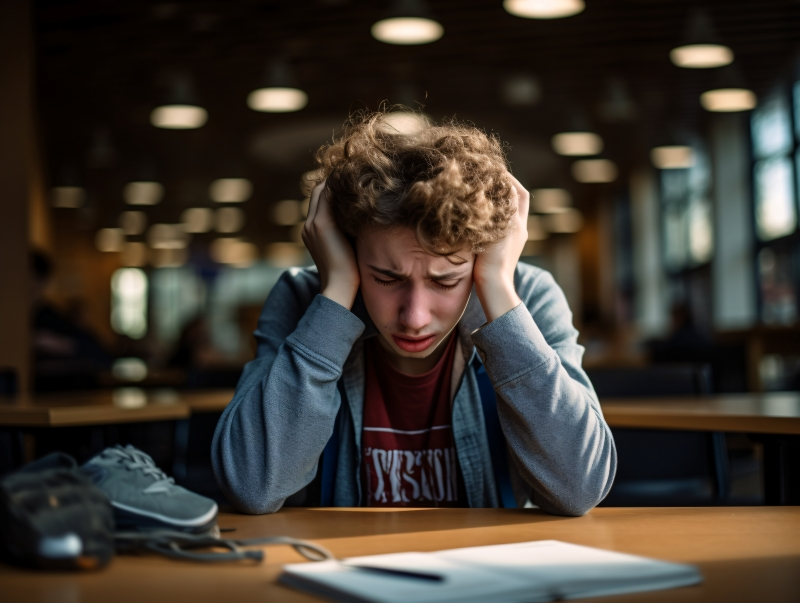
point(268, 441)
point(549, 412)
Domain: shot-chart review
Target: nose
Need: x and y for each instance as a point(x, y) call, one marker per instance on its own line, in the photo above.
point(415, 310)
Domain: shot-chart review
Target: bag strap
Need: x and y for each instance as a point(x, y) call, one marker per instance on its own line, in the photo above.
point(497, 441)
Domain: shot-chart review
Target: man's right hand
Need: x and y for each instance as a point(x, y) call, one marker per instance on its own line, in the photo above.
point(331, 251)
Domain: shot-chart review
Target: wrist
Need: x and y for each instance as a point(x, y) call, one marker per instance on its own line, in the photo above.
point(497, 296)
point(342, 292)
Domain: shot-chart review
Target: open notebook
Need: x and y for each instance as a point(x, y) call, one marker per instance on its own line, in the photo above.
point(544, 570)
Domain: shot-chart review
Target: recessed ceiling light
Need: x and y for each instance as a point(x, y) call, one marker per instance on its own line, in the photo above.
point(230, 190)
point(197, 219)
point(179, 117)
point(407, 30)
point(277, 100)
point(549, 200)
point(577, 143)
point(143, 193)
point(672, 157)
point(594, 170)
point(544, 9)
point(404, 122)
point(701, 56)
point(727, 100)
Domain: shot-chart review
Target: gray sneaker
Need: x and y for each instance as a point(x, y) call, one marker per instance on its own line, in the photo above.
point(144, 497)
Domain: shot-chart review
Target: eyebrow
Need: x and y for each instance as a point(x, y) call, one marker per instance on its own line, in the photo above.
point(436, 277)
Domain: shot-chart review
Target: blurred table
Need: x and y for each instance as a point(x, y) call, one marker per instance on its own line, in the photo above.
point(122, 405)
point(775, 413)
point(744, 554)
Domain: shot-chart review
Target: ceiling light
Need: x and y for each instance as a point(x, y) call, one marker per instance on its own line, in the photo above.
point(197, 219)
point(285, 255)
point(169, 258)
point(109, 239)
point(133, 223)
point(287, 213)
point(672, 157)
point(577, 143)
point(407, 30)
point(230, 190)
point(594, 170)
point(568, 221)
point(727, 100)
point(167, 236)
point(179, 117)
point(277, 100)
point(549, 200)
point(143, 193)
point(701, 56)
point(402, 122)
point(544, 9)
point(229, 219)
point(67, 196)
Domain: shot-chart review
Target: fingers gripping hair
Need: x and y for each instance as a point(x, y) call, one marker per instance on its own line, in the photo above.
point(449, 183)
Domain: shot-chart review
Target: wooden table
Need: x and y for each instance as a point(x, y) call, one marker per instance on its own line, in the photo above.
point(121, 405)
point(777, 413)
point(745, 554)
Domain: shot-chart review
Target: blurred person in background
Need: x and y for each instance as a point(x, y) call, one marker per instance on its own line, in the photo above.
point(66, 353)
point(366, 389)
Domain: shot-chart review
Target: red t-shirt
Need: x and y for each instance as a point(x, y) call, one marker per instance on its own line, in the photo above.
point(408, 455)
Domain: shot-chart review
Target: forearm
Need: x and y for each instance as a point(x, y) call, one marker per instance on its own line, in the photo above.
point(268, 441)
point(552, 422)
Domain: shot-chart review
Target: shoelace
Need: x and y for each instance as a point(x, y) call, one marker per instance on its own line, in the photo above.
point(136, 460)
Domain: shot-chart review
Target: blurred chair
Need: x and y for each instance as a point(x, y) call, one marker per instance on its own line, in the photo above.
point(664, 467)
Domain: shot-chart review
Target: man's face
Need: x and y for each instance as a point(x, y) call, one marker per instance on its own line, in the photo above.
point(414, 298)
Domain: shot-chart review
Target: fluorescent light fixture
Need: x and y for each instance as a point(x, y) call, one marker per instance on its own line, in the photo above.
point(230, 190)
point(544, 9)
point(167, 236)
point(70, 197)
point(549, 200)
point(229, 219)
point(566, 222)
point(197, 219)
point(577, 143)
point(143, 193)
point(133, 223)
point(672, 157)
point(287, 212)
point(594, 170)
point(728, 100)
point(701, 56)
point(179, 117)
point(407, 30)
point(109, 239)
point(277, 100)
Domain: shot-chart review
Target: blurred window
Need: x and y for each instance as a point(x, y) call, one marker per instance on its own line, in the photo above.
point(178, 296)
point(129, 302)
point(772, 127)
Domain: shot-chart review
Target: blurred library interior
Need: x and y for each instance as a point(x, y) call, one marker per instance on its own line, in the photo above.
point(153, 161)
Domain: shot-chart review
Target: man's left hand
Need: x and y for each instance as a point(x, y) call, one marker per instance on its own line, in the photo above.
point(494, 268)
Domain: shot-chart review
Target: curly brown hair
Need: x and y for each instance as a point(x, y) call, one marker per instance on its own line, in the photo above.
point(449, 183)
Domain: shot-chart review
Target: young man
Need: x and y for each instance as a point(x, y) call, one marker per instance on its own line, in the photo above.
point(380, 376)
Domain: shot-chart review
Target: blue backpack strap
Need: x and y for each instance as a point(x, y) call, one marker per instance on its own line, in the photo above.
point(497, 441)
point(330, 456)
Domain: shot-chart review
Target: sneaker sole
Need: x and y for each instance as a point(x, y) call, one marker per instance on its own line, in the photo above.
point(125, 516)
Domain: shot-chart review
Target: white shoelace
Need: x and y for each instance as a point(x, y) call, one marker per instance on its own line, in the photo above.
point(136, 460)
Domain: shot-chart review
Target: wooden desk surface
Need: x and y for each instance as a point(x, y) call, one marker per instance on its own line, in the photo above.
point(751, 413)
point(744, 554)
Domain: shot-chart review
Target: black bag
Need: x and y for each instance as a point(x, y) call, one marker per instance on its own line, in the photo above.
point(52, 516)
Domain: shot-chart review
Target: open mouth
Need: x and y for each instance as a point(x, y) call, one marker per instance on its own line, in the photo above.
point(413, 345)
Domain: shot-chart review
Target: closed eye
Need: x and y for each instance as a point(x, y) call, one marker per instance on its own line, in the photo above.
point(446, 286)
point(385, 282)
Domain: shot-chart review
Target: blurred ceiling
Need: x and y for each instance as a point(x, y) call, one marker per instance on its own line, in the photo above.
point(103, 66)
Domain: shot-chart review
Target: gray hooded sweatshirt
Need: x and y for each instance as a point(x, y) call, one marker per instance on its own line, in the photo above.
point(307, 380)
